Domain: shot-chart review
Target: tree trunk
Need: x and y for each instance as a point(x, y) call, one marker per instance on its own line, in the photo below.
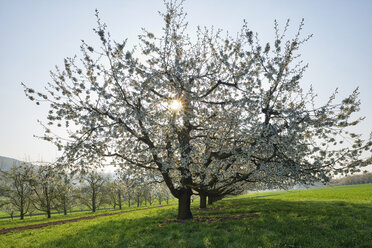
point(119, 199)
point(64, 207)
point(22, 214)
point(184, 201)
point(203, 200)
point(48, 207)
point(210, 200)
point(22, 208)
point(94, 201)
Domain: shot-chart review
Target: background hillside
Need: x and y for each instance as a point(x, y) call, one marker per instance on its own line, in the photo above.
point(6, 163)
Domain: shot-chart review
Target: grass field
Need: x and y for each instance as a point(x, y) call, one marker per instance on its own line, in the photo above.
point(323, 217)
point(31, 220)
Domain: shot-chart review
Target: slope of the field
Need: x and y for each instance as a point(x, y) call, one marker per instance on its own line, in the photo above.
point(324, 217)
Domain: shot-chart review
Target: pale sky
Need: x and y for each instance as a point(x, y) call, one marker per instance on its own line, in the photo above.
point(36, 35)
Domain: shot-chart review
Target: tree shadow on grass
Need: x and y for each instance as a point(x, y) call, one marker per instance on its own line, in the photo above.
point(235, 223)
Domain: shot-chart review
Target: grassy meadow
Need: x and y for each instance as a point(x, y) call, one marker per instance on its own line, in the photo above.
point(323, 217)
point(36, 219)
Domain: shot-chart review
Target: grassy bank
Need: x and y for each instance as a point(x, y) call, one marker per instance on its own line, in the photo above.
point(324, 217)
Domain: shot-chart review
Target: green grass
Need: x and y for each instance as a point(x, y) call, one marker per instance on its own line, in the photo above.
point(84, 208)
point(324, 217)
point(31, 220)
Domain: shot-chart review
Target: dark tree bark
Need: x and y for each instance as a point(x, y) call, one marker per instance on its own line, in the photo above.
point(119, 200)
point(184, 201)
point(203, 200)
point(22, 212)
point(210, 200)
point(94, 201)
point(64, 206)
point(48, 206)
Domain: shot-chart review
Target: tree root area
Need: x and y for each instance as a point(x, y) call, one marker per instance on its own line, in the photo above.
point(214, 218)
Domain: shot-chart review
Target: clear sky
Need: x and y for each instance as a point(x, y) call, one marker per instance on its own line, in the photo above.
point(36, 35)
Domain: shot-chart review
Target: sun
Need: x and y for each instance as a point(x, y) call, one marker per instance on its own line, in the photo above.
point(175, 105)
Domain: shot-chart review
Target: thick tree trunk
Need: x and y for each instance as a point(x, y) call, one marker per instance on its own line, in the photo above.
point(210, 200)
point(184, 201)
point(49, 213)
point(203, 200)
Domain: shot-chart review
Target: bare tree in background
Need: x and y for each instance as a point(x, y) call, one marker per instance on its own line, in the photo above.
point(15, 188)
point(92, 193)
point(44, 189)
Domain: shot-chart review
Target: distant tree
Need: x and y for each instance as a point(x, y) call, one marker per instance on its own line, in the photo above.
point(195, 107)
point(93, 193)
point(65, 190)
point(148, 193)
point(9, 208)
point(14, 184)
point(44, 189)
point(137, 186)
point(116, 193)
point(138, 192)
point(127, 184)
point(162, 193)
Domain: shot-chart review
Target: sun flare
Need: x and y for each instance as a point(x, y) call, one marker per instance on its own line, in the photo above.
point(175, 105)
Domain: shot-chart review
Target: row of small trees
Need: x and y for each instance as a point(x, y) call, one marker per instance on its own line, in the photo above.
point(26, 188)
point(354, 179)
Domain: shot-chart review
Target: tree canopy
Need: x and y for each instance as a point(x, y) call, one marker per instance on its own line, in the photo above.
point(204, 111)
